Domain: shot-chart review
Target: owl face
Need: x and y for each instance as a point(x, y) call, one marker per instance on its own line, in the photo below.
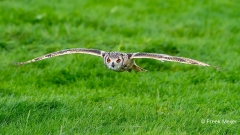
point(113, 61)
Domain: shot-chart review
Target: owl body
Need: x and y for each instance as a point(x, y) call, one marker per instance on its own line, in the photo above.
point(118, 61)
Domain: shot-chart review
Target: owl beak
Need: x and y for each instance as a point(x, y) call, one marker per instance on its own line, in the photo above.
point(113, 64)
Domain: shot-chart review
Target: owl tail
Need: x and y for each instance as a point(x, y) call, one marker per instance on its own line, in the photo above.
point(136, 68)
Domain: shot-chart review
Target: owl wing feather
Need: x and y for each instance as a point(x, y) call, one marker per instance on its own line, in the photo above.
point(64, 52)
point(164, 57)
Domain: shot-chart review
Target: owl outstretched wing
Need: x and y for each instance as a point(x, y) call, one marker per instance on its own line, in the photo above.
point(164, 57)
point(64, 52)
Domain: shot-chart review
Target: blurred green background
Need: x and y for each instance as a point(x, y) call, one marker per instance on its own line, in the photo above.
point(76, 94)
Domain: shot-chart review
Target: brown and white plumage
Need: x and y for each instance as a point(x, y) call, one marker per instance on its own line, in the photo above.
point(118, 61)
point(64, 52)
point(164, 57)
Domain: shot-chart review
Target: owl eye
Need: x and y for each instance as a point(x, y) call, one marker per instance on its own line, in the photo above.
point(119, 60)
point(108, 60)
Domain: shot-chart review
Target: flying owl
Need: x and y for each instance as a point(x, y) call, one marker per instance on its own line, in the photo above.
point(118, 61)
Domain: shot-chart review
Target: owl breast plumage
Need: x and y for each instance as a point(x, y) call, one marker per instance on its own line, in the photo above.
point(118, 61)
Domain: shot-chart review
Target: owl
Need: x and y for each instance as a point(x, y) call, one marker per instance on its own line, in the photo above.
point(118, 61)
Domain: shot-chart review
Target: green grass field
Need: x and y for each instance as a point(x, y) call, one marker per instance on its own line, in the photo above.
point(76, 94)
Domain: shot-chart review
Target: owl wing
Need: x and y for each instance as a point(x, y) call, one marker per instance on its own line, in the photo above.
point(164, 57)
point(64, 52)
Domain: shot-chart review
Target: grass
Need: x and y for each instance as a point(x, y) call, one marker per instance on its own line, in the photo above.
point(76, 94)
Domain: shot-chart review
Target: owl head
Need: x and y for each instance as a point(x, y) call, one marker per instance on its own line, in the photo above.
point(113, 61)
